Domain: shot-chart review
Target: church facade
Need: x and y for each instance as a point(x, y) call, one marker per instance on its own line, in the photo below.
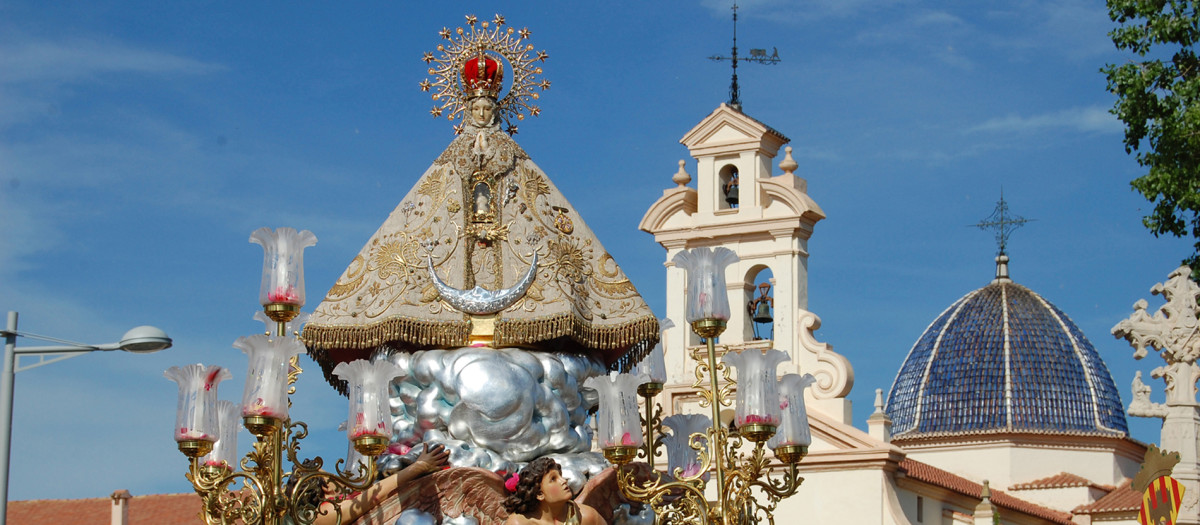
point(1003, 412)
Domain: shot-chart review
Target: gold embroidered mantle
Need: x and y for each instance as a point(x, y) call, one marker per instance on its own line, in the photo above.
point(480, 212)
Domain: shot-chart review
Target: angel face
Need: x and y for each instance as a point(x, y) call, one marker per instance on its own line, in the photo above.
point(554, 488)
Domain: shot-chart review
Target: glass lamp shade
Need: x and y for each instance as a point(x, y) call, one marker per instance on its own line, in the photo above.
point(224, 453)
point(266, 381)
point(654, 364)
point(369, 385)
point(618, 418)
point(707, 296)
point(196, 412)
point(283, 264)
point(793, 429)
point(680, 454)
point(757, 387)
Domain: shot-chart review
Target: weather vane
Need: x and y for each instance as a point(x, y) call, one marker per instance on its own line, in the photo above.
point(758, 56)
point(469, 66)
point(1002, 223)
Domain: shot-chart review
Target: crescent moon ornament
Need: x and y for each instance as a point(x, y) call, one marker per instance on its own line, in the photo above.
point(478, 301)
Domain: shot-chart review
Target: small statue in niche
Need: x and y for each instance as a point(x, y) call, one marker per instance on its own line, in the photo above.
point(760, 308)
point(482, 195)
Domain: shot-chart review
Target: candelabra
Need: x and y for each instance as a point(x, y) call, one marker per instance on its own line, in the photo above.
point(206, 430)
point(769, 412)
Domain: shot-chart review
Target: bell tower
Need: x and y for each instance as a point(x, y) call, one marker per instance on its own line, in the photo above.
point(767, 221)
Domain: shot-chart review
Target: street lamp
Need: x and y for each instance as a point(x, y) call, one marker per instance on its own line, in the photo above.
point(141, 340)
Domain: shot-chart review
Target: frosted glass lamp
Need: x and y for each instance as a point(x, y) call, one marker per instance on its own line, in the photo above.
point(620, 429)
point(683, 461)
point(370, 423)
point(282, 290)
point(264, 400)
point(793, 436)
point(707, 296)
point(756, 412)
point(196, 424)
point(224, 453)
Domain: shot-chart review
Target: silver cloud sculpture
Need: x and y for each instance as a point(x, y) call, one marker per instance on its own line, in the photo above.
point(495, 408)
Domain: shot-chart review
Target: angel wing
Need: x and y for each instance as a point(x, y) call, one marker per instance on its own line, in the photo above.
point(449, 493)
point(602, 493)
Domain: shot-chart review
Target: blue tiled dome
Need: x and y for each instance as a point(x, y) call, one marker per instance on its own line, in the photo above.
point(1003, 359)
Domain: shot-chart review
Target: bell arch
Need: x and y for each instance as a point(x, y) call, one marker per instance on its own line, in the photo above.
point(756, 306)
point(728, 186)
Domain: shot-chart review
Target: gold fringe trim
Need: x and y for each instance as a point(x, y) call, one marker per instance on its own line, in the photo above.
point(414, 331)
point(630, 341)
point(620, 347)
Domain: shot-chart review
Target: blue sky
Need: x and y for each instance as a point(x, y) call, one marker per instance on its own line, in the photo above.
point(142, 142)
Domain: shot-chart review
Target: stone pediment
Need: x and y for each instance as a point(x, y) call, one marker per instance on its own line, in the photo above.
point(838, 446)
point(830, 434)
point(729, 130)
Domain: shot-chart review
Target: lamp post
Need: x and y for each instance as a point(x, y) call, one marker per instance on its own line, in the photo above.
point(140, 340)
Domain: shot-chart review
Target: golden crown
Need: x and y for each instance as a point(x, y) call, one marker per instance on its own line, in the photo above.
point(470, 64)
point(484, 80)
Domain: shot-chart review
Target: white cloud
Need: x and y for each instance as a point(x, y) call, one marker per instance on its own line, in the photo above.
point(793, 10)
point(82, 58)
point(1092, 119)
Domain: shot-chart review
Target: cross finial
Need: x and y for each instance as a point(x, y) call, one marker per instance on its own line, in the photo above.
point(1002, 223)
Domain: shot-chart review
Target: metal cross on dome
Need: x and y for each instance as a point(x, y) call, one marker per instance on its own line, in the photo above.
point(1002, 223)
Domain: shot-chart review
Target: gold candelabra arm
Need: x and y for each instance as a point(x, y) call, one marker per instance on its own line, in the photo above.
point(296, 432)
point(679, 501)
point(220, 505)
point(307, 494)
point(652, 425)
point(781, 486)
point(753, 474)
point(294, 372)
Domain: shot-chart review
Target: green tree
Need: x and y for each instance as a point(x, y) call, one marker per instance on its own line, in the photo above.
point(1158, 99)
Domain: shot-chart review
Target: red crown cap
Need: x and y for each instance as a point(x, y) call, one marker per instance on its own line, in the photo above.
point(485, 81)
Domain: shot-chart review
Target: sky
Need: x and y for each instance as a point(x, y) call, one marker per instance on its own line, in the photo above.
point(142, 142)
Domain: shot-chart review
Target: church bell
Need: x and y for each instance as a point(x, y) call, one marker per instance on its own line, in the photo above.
point(762, 312)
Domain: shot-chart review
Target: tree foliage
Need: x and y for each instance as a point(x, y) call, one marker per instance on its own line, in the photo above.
point(1158, 99)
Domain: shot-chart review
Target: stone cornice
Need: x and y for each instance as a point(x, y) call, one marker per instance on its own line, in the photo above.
point(795, 226)
point(1120, 445)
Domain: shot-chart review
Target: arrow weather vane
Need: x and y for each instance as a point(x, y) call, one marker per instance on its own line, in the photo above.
point(758, 56)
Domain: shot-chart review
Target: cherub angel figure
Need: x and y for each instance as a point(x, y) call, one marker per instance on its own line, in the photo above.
point(540, 496)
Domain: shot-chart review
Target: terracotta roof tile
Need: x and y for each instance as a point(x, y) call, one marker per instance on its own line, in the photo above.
point(936, 476)
point(156, 509)
point(1121, 499)
point(1058, 481)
